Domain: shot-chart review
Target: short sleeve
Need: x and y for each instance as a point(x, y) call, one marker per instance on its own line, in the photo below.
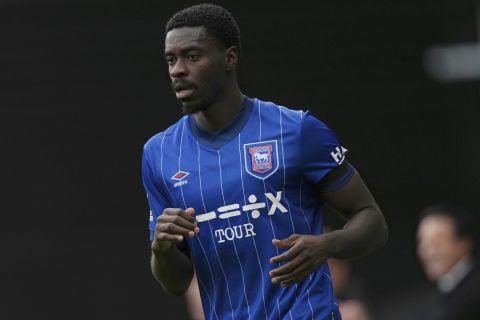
point(157, 200)
point(321, 153)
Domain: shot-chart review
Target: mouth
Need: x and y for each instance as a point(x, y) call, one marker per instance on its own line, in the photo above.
point(183, 90)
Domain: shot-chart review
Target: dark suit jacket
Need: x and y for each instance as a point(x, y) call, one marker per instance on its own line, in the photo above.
point(462, 303)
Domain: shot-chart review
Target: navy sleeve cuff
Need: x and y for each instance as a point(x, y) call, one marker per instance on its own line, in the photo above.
point(340, 182)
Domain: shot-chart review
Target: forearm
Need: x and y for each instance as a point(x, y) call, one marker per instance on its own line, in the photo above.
point(365, 232)
point(172, 269)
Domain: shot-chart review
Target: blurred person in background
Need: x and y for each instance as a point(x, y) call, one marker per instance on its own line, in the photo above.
point(351, 293)
point(349, 290)
point(446, 250)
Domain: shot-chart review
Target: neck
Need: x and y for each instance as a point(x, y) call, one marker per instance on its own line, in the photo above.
point(449, 281)
point(221, 112)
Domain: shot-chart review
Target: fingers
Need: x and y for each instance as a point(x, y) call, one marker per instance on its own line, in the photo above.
point(291, 272)
point(279, 273)
point(287, 255)
point(186, 214)
point(178, 217)
point(174, 225)
point(288, 271)
point(304, 254)
point(168, 230)
point(285, 243)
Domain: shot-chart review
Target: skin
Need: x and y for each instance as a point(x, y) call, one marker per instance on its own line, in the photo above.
point(438, 247)
point(193, 301)
point(197, 61)
point(353, 310)
point(340, 270)
point(364, 232)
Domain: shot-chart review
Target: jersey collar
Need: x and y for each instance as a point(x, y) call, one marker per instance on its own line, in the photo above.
point(218, 139)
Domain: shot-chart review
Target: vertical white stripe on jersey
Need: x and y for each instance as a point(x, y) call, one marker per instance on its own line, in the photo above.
point(259, 119)
point(325, 274)
point(211, 234)
point(248, 218)
point(284, 171)
point(301, 209)
point(234, 245)
point(278, 308)
point(179, 160)
point(161, 171)
point(306, 220)
point(308, 298)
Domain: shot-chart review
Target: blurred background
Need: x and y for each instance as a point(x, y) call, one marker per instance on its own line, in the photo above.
point(83, 84)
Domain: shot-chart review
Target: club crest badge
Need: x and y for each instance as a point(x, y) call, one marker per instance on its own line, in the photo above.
point(261, 158)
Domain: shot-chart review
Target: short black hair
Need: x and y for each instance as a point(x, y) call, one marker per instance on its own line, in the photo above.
point(218, 22)
point(463, 221)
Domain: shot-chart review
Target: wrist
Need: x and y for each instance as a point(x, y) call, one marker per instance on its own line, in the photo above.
point(334, 240)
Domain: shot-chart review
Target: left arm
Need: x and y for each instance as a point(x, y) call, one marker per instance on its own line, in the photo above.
point(364, 232)
point(365, 229)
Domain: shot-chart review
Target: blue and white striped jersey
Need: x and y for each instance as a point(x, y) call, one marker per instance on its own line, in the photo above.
point(250, 183)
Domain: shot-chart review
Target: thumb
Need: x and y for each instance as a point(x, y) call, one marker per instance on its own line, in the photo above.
point(190, 211)
point(285, 243)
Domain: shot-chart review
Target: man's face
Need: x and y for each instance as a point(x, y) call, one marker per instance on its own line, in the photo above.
point(196, 64)
point(438, 247)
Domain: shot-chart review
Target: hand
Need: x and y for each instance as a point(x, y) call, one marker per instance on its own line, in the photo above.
point(305, 254)
point(172, 226)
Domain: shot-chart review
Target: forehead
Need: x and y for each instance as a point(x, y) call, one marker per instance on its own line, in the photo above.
point(187, 37)
point(436, 226)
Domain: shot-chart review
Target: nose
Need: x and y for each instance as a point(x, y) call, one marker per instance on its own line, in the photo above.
point(179, 69)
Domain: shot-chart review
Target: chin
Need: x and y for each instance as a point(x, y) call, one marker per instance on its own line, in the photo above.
point(435, 273)
point(190, 107)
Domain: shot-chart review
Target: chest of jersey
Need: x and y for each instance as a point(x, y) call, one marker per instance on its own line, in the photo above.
point(242, 181)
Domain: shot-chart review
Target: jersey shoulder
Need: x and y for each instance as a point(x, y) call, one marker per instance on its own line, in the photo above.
point(273, 110)
point(302, 117)
point(158, 139)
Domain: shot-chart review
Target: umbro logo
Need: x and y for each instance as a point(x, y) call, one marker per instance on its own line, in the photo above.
point(179, 177)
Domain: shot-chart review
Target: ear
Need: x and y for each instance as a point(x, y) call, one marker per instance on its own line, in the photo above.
point(231, 58)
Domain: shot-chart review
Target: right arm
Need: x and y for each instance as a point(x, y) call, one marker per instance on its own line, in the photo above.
point(172, 268)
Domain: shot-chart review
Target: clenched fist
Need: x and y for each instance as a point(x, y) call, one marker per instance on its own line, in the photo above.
point(172, 226)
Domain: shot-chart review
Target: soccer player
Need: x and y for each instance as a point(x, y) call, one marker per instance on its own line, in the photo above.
point(237, 186)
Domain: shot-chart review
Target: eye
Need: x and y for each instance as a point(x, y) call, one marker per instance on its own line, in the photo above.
point(192, 57)
point(170, 60)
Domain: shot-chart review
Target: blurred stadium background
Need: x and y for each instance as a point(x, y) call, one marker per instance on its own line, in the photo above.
point(83, 84)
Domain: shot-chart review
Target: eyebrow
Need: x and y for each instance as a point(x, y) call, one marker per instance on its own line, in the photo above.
point(186, 49)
